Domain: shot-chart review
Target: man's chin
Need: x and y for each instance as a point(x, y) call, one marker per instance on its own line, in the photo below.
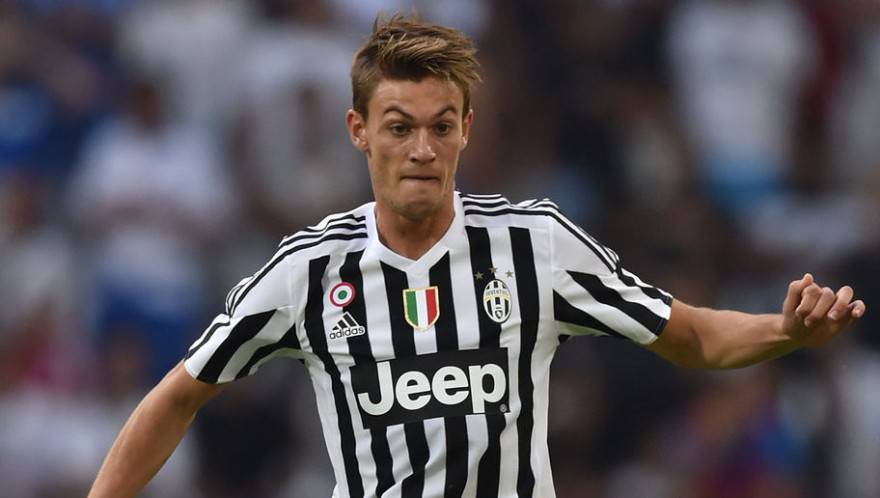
point(419, 208)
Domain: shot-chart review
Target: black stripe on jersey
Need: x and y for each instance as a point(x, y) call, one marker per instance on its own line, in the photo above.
point(489, 471)
point(243, 331)
point(486, 204)
point(232, 293)
point(288, 341)
point(529, 309)
point(447, 340)
point(314, 325)
point(282, 255)
point(610, 297)
point(320, 229)
point(404, 342)
point(361, 352)
point(530, 204)
point(533, 202)
point(649, 291)
point(563, 311)
point(350, 216)
point(481, 196)
point(597, 248)
point(207, 337)
point(308, 236)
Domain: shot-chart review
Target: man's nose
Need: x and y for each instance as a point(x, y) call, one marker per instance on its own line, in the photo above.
point(422, 152)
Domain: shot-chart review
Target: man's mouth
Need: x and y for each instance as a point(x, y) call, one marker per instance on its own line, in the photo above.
point(420, 178)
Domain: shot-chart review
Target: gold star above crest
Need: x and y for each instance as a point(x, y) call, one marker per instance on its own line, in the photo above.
point(493, 270)
point(509, 274)
point(478, 275)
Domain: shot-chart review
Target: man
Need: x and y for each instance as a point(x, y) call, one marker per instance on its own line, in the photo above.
point(428, 319)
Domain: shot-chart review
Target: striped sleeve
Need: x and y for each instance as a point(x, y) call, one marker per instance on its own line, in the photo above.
point(594, 295)
point(259, 324)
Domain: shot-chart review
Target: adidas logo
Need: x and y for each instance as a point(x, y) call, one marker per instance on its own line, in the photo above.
point(347, 327)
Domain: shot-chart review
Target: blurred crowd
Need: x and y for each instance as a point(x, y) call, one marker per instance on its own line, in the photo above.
point(152, 153)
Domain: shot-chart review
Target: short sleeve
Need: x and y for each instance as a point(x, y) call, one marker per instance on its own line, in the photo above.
point(259, 324)
point(594, 295)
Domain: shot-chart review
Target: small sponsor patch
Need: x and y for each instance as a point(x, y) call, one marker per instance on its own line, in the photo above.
point(342, 294)
point(347, 327)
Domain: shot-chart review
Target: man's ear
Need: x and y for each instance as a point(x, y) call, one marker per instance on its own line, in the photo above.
point(466, 128)
point(357, 130)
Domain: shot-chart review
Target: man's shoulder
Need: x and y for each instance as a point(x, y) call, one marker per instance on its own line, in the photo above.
point(497, 210)
point(333, 232)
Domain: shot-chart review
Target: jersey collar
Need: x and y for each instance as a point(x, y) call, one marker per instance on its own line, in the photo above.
point(454, 238)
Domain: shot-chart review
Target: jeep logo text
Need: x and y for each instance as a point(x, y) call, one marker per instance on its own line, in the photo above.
point(432, 385)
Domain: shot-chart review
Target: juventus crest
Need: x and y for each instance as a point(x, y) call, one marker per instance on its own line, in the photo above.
point(496, 301)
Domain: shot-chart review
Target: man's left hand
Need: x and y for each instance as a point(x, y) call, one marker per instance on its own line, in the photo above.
point(813, 315)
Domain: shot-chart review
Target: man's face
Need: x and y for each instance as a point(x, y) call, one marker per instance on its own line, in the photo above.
point(412, 140)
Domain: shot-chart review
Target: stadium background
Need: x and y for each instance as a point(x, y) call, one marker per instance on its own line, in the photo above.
point(152, 153)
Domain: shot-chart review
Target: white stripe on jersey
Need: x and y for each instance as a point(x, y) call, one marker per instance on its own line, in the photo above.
point(510, 339)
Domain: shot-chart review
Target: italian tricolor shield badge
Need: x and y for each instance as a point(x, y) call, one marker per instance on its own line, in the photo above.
point(421, 307)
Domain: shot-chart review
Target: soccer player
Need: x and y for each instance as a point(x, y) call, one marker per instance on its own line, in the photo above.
point(427, 320)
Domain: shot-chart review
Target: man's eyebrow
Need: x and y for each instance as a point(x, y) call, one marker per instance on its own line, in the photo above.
point(394, 108)
point(445, 110)
point(410, 117)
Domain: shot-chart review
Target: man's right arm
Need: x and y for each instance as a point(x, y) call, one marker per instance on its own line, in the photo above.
point(151, 434)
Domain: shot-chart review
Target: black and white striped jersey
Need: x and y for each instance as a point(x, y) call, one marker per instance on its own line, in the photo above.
point(432, 375)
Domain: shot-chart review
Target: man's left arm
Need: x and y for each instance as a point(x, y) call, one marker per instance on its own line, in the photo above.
point(707, 338)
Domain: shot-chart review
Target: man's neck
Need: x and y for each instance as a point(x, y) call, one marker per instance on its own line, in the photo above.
point(412, 238)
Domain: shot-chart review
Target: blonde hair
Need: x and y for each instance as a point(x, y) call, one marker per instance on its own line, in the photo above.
point(405, 48)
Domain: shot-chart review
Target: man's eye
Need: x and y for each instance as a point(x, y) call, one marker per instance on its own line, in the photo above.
point(443, 128)
point(399, 129)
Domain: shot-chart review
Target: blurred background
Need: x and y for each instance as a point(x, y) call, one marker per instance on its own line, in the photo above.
point(154, 152)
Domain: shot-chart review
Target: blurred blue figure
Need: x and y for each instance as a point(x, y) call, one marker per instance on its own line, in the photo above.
point(740, 67)
point(149, 196)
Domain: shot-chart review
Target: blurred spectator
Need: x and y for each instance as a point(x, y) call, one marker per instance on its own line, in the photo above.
point(52, 443)
point(730, 442)
point(470, 16)
point(197, 44)
point(656, 165)
point(814, 224)
point(54, 80)
point(150, 197)
point(855, 114)
point(38, 346)
point(25, 105)
point(740, 68)
point(855, 453)
point(294, 161)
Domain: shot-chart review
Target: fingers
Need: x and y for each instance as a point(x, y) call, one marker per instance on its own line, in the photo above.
point(839, 308)
point(817, 303)
point(795, 289)
point(857, 309)
point(810, 295)
point(810, 303)
point(824, 300)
